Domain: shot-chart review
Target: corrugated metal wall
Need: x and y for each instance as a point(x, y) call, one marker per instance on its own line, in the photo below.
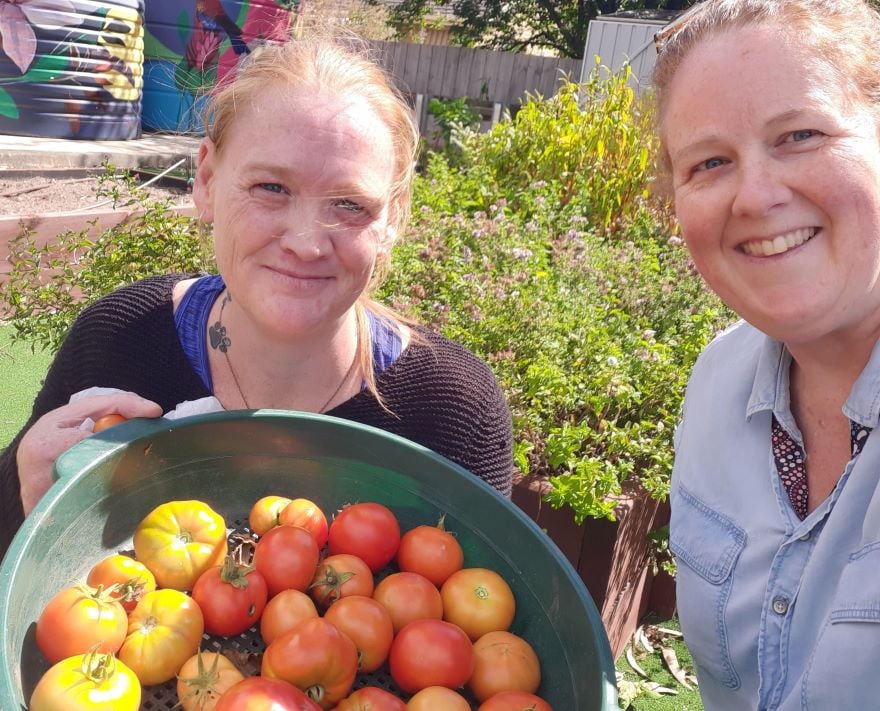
point(617, 41)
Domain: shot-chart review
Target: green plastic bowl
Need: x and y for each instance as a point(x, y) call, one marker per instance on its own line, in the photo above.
point(109, 482)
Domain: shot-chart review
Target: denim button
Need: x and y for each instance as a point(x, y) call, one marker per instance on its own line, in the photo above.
point(780, 605)
point(805, 537)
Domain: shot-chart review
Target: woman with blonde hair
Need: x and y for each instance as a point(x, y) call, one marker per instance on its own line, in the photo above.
point(305, 177)
point(768, 114)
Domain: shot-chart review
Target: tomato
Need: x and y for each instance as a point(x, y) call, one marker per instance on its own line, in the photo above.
point(371, 698)
point(287, 557)
point(515, 701)
point(284, 612)
point(503, 662)
point(180, 540)
point(431, 653)
point(231, 597)
point(307, 515)
point(368, 530)
point(203, 679)
point(164, 630)
point(366, 623)
point(408, 597)
point(315, 657)
point(87, 682)
point(264, 514)
point(431, 551)
point(79, 619)
point(102, 423)
point(338, 576)
point(478, 600)
point(257, 693)
point(133, 578)
point(438, 698)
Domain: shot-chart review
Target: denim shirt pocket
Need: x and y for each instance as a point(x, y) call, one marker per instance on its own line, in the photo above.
point(706, 546)
point(842, 670)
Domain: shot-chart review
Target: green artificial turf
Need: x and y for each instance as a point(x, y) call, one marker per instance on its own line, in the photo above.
point(653, 665)
point(21, 372)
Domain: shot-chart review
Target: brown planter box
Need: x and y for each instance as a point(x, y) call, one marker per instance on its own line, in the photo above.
point(610, 556)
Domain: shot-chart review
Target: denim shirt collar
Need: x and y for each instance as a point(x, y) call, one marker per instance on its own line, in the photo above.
point(771, 391)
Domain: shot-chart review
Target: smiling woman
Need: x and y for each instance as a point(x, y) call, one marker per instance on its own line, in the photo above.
point(769, 121)
point(304, 177)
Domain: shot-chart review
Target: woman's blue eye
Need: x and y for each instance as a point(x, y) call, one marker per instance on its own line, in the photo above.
point(710, 164)
point(802, 135)
point(350, 206)
point(272, 187)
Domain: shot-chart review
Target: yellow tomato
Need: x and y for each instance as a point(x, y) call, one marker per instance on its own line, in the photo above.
point(164, 630)
point(133, 578)
point(438, 698)
point(180, 540)
point(203, 679)
point(503, 662)
point(87, 682)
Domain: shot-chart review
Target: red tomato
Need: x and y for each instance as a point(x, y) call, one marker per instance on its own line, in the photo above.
point(78, 620)
point(132, 578)
point(286, 557)
point(368, 530)
point(503, 662)
point(284, 612)
point(431, 551)
point(515, 701)
point(264, 514)
point(478, 600)
point(231, 597)
point(431, 653)
point(164, 630)
point(366, 623)
point(102, 423)
point(257, 693)
point(371, 698)
point(316, 658)
point(203, 679)
point(438, 698)
point(408, 597)
point(339, 576)
point(307, 515)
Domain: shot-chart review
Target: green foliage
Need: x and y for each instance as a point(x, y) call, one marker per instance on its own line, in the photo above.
point(453, 116)
point(50, 284)
point(544, 253)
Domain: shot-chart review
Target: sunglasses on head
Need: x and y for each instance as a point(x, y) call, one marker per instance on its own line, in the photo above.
point(662, 37)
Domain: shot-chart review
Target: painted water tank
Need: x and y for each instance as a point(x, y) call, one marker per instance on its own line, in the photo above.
point(71, 68)
point(190, 45)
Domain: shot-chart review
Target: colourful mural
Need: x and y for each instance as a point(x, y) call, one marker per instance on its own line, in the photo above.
point(191, 45)
point(71, 68)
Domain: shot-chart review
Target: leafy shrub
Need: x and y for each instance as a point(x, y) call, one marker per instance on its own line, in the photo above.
point(49, 284)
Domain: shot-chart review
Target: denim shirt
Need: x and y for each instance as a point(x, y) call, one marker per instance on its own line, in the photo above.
point(778, 612)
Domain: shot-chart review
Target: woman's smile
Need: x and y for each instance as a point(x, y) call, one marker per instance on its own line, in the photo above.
point(780, 244)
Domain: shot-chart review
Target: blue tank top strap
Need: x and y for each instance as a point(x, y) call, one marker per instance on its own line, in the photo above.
point(387, 344)
point(191, 322)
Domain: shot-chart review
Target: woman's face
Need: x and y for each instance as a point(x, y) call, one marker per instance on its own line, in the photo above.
point(299, 200)
point(776, 178)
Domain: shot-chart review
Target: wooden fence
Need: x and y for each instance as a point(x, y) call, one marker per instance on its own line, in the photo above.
point(480, 74)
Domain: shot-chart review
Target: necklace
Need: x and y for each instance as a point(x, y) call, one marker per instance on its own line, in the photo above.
point(219, 340)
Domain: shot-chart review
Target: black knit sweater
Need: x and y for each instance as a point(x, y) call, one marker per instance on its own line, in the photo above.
point(442, 396)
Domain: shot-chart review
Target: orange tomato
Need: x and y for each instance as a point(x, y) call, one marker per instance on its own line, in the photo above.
point(515, 701)
point(284, 612)
point(478, 600)
point(338, 576)
point(431, 551)
point(438, 698)
point(80, 619)
point(367, 624)
point(203, 679)
point(102, 423)
point(316, 658)
point(306, 514)
point(132, 578)
point(371, 698)
point(264, 514)
point(503, 662)
point(164, 631)
point(408, 597)
point(180, 540)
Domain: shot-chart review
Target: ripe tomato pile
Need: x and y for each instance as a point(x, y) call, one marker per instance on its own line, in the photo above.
point(330, 601)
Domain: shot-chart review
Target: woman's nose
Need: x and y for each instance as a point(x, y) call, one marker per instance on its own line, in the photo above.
point(760, 187)
point(305, 233)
